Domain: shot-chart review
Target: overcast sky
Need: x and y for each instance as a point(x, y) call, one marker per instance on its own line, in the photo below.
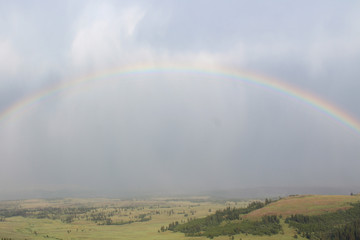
point(177, 131)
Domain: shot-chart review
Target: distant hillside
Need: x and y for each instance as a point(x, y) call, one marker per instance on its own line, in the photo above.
point(305, 204)
point(274, 192)
point(223, 194)
point(314, 217)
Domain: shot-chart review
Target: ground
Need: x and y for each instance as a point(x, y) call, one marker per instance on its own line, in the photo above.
point(161, 210)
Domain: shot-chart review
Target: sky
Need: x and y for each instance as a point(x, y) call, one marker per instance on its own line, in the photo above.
point(177, 131)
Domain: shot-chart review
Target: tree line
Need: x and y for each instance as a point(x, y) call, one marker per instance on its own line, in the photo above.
point(212, 225)
point(339, 225)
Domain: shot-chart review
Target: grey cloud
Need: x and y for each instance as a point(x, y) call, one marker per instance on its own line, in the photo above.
point(178, 131)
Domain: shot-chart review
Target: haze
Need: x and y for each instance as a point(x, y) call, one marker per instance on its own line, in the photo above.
point(177, 132)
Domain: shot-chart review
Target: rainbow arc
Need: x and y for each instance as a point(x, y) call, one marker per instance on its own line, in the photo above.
point(315, 102)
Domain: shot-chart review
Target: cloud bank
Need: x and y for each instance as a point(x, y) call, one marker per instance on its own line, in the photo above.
point(177, 131)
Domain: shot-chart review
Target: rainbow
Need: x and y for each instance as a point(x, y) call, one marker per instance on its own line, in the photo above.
point(254, 79)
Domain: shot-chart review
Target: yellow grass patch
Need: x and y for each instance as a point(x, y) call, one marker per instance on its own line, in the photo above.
point(305, 204)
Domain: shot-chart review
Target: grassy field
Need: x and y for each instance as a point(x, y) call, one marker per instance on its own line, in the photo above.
point(305, 204)
point(155, 213)
point(162, 212)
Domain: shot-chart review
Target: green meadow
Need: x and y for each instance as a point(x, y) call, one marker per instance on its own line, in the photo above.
point(142, 219)
point(89, 223)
